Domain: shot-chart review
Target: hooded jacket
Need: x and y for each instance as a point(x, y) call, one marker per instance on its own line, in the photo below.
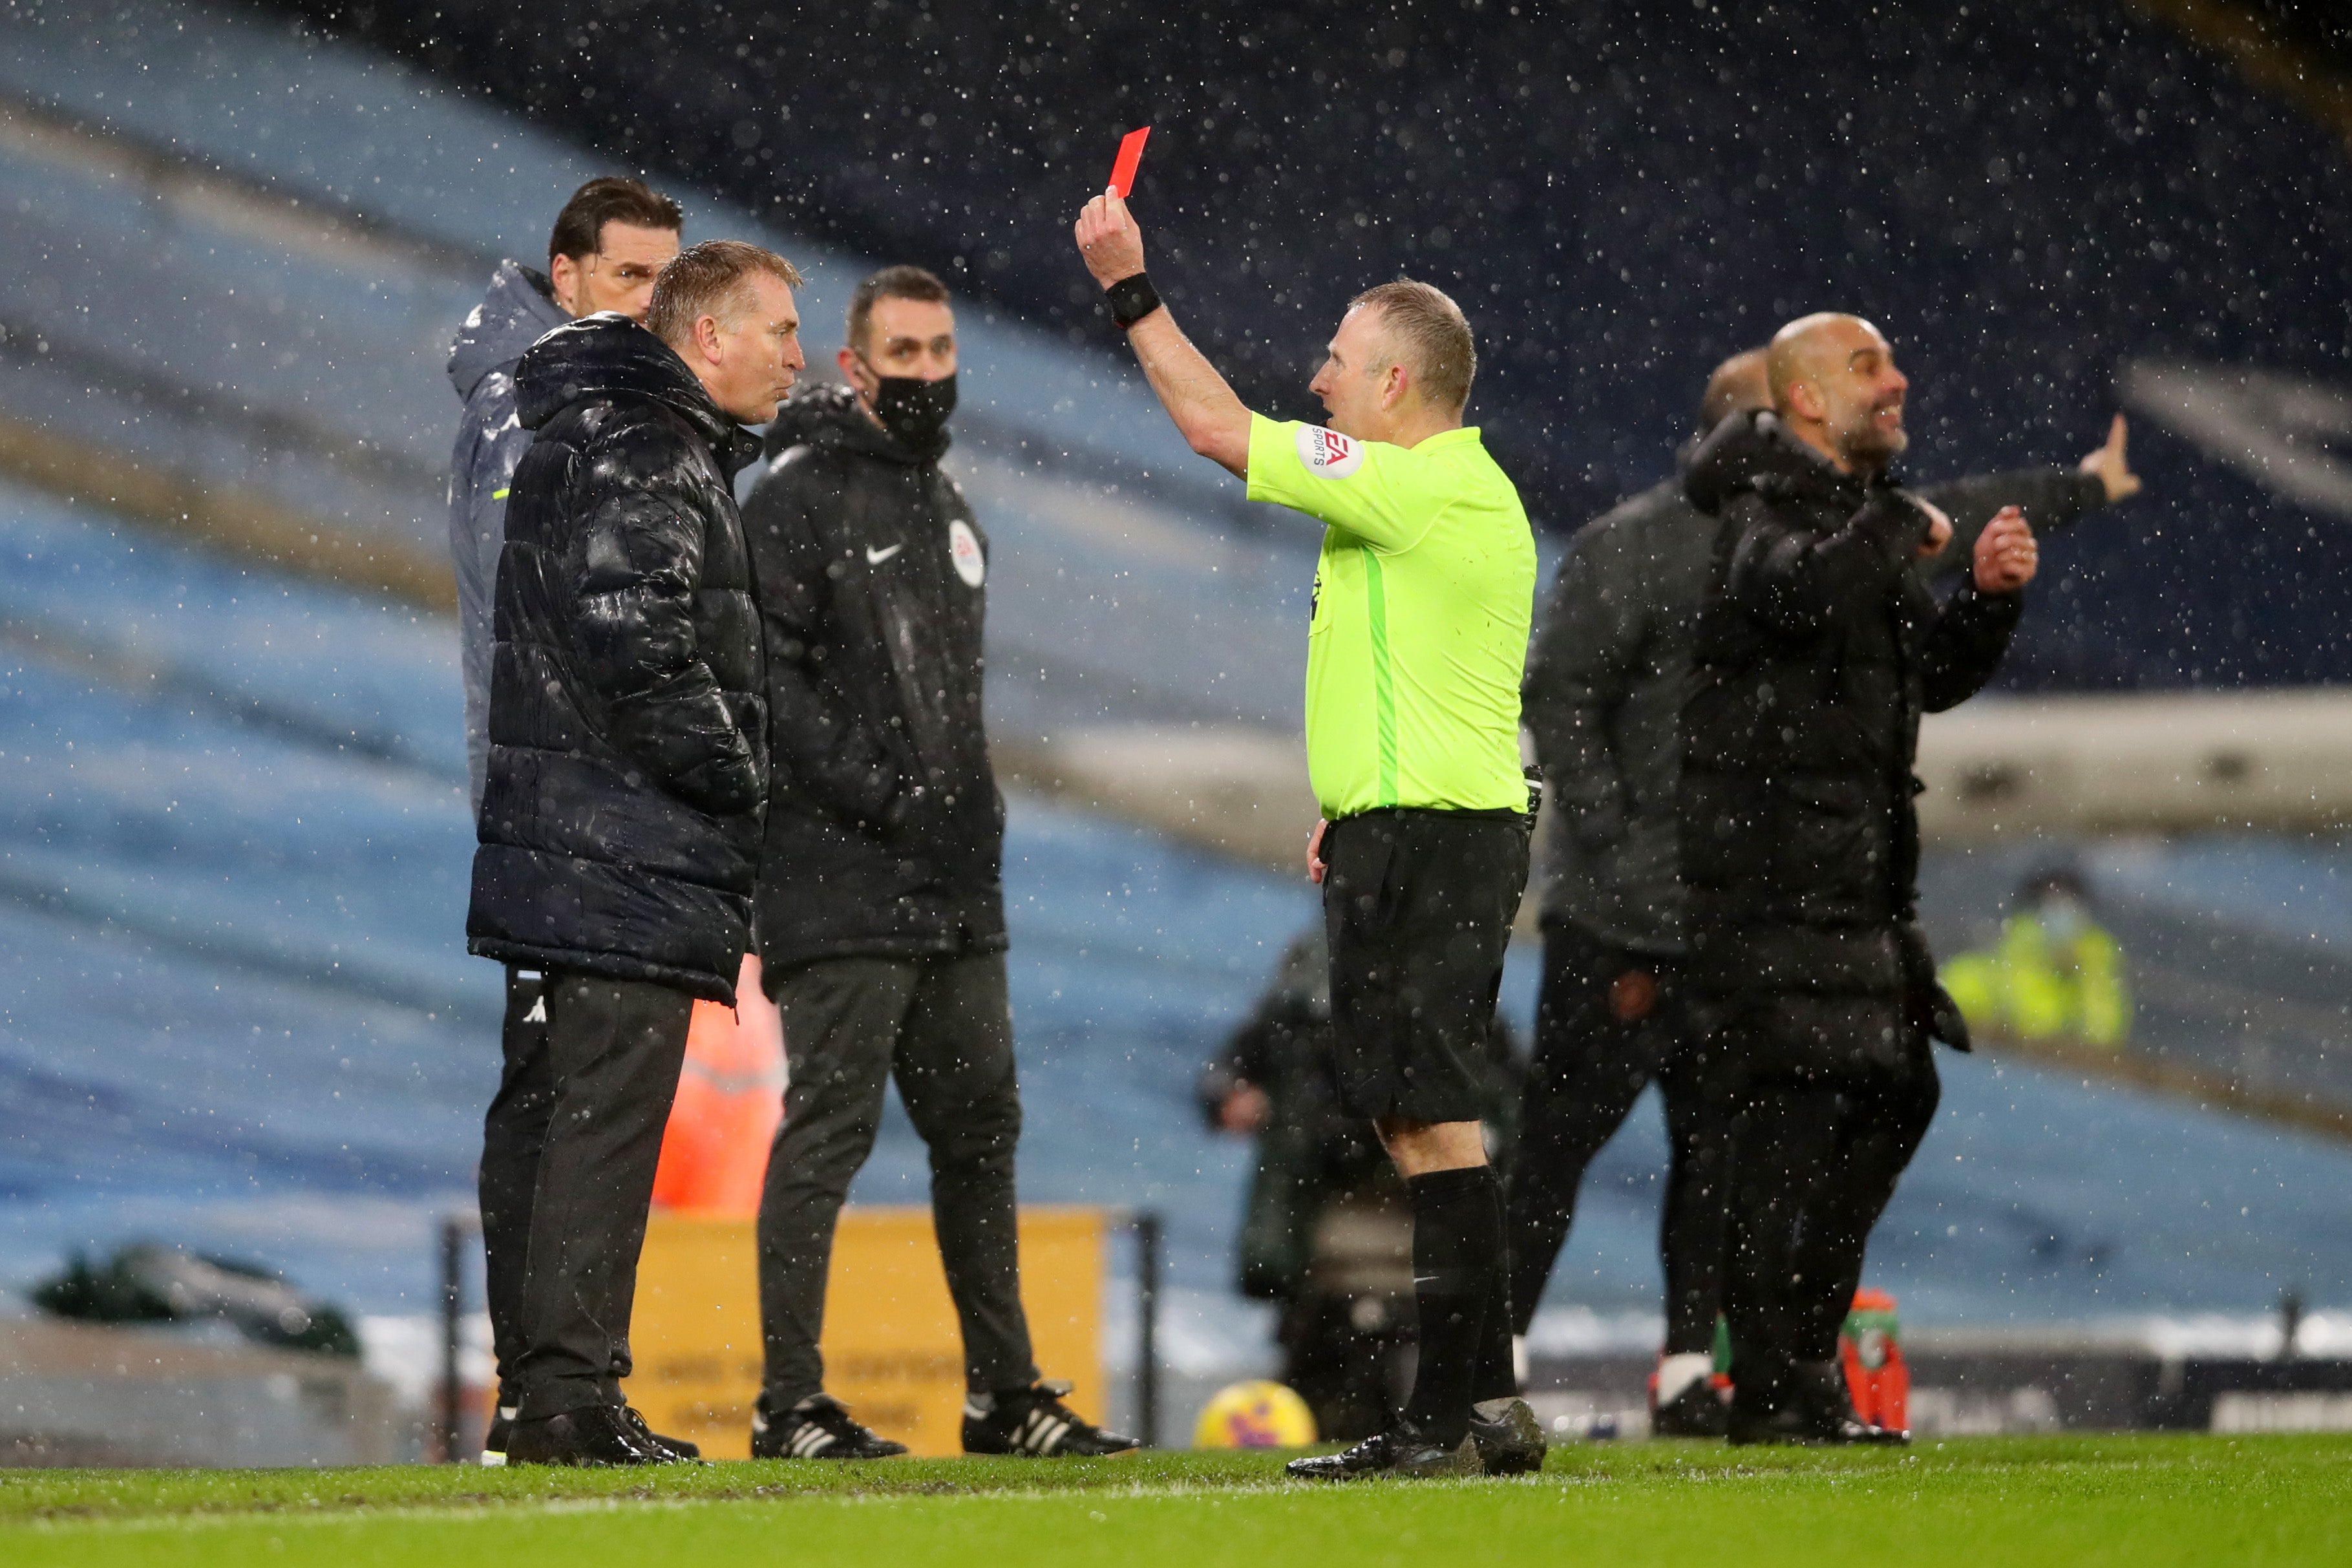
point(519, 309)
point(1818, 648)
point(1612, 665)
point(620, 822)
point(885, 831)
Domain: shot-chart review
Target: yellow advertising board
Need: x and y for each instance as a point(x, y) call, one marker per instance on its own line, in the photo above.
point(892, 1350)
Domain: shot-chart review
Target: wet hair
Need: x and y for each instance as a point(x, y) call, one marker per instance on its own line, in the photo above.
point(1434, 338)
point(890, 283)
point(609, 198)
point(708, 279)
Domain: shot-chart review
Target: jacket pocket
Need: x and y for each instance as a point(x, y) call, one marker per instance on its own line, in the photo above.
point(1824, 853)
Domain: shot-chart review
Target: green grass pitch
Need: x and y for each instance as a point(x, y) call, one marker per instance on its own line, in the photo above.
point(2081, 1502)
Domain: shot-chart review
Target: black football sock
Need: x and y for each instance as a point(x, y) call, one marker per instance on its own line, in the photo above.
point(1496, 1374)
point(1457, 1247)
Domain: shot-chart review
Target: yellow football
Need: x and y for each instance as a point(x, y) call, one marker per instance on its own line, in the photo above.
point(1255, 1414)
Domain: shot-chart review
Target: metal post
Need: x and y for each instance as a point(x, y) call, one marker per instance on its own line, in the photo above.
point(1147, 1328)
point(453, 1263)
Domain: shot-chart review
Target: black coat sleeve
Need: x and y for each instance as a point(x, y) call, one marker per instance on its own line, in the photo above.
point(818, 748)
point(2053, 498)
point(1796, 583)
point(1578, 675)
point(1965, 645)
point(634, 566)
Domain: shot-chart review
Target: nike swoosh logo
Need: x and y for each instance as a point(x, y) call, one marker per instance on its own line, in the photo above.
point(875, 557)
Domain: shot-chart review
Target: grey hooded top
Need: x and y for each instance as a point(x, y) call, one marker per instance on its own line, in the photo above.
point(519, 309)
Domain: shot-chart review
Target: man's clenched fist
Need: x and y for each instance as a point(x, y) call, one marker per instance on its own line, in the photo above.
point(2007, 555)
point(1110, 240)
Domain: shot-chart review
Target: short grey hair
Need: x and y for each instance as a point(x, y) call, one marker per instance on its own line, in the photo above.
point(1431, 336)
point(706, 280)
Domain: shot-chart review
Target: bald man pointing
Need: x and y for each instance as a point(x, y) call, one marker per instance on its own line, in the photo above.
point(1422, 598)
point(1818, 648)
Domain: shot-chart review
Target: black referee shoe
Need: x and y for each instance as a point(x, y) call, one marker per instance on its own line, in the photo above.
point(1402, 1453)
point(1508, 1438)
point(1814, 1410)
point(818, 1427)
point(1032, 1422)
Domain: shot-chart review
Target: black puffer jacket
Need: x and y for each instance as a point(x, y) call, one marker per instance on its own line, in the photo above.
point(886, 833)
point(1611, 669)
point(620, 823)
point(1819, 649)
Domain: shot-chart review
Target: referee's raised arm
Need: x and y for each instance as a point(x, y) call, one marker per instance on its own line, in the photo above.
point(1213, 419)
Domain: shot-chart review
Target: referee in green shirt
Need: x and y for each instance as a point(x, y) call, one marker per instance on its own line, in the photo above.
point(1422, 598)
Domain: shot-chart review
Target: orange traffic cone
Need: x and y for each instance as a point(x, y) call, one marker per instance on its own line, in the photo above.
point(730, 1101)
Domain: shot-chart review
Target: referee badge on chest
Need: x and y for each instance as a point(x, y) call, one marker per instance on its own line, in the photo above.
point(1327, 454)
point(963, 549)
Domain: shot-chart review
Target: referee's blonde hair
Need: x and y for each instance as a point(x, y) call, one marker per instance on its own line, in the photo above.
point(1432, 338)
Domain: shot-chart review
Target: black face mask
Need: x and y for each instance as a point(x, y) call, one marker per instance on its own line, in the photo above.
point(916, 411)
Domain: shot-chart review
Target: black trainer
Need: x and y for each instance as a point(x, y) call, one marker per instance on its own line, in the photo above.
point(1790, 1424)
point(1035, 1423)
point(494, 1441)
point(678, 1449)
point(1401, 1452)
point(1509, 1439)
point(1814, 1410)
point(1697, 1412)
point(818, 1427)
point(595, 1435)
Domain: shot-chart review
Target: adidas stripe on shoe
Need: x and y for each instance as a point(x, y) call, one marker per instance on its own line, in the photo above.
point(818, 1427)
point(1034, 1423)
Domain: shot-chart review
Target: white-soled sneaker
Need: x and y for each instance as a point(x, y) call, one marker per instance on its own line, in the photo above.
point(1032, 1422)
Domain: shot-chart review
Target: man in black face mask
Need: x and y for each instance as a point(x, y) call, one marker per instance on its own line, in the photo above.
point(881, 904)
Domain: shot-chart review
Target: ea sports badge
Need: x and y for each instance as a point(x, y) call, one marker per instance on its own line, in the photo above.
point(963, 549)
point(1327, 454)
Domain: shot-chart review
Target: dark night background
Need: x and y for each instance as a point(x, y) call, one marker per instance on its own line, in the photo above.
point(1619, 195)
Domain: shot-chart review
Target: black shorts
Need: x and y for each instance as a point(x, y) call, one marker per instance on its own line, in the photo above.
point(1418, 905)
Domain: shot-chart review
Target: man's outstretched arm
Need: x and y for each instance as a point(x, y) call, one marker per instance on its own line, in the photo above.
point(1211, 418)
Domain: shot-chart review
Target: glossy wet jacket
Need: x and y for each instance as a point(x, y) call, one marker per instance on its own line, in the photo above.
point(620, 822)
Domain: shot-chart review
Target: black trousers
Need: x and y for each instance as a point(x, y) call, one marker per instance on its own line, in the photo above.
point(1816, 1160)
point(943, 1027)
point(614, 1051)
point(1609, 1023)
point(513, 1133)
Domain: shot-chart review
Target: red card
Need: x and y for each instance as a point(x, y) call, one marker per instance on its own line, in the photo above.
point(1130, 155)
